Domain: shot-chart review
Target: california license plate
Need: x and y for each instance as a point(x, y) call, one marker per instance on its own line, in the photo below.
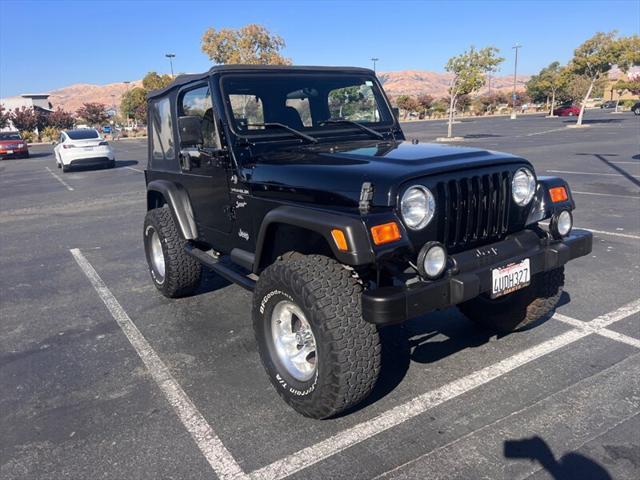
point(9, 152)
point(88, 148)
point(508, 279)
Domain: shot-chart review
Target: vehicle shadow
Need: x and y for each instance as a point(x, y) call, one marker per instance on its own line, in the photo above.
point(613, 166)
point(126, 163)
point(482, 135)
point(572, 466)
point(38, 155)
point(119, 164)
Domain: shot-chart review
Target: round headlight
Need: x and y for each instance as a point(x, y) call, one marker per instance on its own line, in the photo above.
point(432, 260)
point(561, 224)
point(417, 207)
point(523, 186)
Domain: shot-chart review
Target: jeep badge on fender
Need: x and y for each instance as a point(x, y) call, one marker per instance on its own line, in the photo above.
point(297, 184)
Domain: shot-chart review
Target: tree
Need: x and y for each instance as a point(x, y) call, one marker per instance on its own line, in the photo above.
point(131, 102)
point(425, 102)
point(251, 44)
point(596, 56)
point(24, 119)
point(5, 117)
point(407, 104)
point(60, 120)
point(547, 84)
point(469, 75)
point(153, 81)
point(93, 113)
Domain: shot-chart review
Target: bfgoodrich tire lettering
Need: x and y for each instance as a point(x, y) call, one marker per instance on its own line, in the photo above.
point(520, 308)
point(347, 348)
point(182, 273)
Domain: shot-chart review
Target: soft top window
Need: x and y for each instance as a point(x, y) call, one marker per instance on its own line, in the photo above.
point(10, 136)
point(84, 134)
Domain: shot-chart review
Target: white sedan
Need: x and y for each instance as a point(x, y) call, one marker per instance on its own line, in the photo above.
point(83, 148)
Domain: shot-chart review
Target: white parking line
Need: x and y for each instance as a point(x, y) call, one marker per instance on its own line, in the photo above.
point(217, 455)
point(602, 232)
point(57, 177)
point(600, 330)
point(625, 163)
point(637, 197)
point(397, 415)
point(135, 169)
point(592, 173)
point(547, 131)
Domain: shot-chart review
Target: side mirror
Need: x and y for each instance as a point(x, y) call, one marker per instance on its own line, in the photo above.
point(54, 143)
point(190, 130)
point(396, 112)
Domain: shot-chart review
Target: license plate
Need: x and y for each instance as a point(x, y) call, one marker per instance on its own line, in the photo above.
point(88, 148)
point(9, 152)
point(508, 279)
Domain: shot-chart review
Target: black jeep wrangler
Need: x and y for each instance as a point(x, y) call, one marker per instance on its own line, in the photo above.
point(297, 183)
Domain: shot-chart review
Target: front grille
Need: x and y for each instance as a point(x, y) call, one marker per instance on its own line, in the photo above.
point(475, 209)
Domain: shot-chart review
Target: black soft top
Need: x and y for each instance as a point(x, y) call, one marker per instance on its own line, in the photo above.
point(188, 78)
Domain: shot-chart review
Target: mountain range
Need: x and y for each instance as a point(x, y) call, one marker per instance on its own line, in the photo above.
point(405, 82)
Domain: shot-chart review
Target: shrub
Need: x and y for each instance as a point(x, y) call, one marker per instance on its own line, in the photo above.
point(50, 134)
point(28, 136)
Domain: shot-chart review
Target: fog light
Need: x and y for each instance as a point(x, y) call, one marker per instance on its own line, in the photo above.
point(561, 224)
point(432, 260)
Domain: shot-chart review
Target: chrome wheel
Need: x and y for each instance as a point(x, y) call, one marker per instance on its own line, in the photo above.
point(157, 256)
point(293, 340)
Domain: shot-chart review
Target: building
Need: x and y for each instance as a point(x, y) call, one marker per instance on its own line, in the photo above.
point(37, 101)
point(610, 93)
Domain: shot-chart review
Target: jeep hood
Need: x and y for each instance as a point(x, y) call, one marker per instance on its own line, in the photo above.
point(329, 174)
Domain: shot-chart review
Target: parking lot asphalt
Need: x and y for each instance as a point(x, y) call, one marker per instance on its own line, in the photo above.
point(102, 377)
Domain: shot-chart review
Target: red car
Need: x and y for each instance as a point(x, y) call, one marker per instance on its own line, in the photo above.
point(567, 111)
point(12, 145)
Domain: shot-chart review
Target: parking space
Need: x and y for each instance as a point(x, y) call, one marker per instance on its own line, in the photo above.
point(103, 374)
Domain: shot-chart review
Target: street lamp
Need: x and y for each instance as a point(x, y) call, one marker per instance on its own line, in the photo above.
point(374, 60)
point(170, 56)
point(516, 47)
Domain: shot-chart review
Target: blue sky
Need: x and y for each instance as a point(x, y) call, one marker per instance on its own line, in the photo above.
point(45, 45)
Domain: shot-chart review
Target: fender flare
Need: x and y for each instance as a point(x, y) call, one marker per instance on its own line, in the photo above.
point(542, 207)
point(178, 201)
point(321, 222)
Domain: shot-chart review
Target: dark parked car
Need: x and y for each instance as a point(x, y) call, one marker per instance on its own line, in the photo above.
point(609, 104)
point(567, 111)
point(636, 108)
point(13, 146)
point(297, 184)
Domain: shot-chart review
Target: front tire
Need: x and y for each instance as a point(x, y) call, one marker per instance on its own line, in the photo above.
point(174, 273)
point(637, 111)
point(319, 353)
point(519, 309)
point(65, 168)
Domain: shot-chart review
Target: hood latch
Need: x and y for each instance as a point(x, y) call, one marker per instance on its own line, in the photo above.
point(366, 195)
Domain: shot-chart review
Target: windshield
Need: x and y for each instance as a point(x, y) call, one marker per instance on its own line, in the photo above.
point(10, 136)
point(304, 102)
point(84, 134)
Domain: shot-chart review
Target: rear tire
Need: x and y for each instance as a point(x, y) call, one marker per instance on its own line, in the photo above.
point(520, 308)
point(321, 304)
point(112, 164)
point(174, 273)
point(65, 168)
point(637, 111)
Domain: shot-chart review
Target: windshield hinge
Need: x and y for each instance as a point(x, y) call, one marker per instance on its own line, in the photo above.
point(366, 195)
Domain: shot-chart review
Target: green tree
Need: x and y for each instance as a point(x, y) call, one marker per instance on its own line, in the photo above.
point(153, 81)
point(469, 75)
point(546, 85)
point(131, 102)
point(407, 104)
point(596, 56)
point(93, 113)
point(424, 102)
point(251, 44)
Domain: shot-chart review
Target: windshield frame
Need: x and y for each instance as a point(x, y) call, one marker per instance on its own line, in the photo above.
point(321, 133)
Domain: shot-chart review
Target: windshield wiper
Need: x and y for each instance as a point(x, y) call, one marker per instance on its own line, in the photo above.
point(297, 133)
point(351, 122)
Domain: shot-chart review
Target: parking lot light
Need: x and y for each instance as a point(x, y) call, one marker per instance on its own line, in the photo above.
point(171, 56)
point(516, 47)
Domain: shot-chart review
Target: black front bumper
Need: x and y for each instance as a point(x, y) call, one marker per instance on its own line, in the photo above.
point(470, 275)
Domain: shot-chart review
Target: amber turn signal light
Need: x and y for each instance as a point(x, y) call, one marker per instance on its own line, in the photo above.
point(385, 233)
point(340, 240)
point(558, 194)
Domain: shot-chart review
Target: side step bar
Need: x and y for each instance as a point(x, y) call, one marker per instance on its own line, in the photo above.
point(222, 270)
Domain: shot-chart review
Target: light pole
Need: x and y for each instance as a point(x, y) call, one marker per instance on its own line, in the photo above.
point(127, 82)
point(516, 47)
point(374, 60)
point(170, 56)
